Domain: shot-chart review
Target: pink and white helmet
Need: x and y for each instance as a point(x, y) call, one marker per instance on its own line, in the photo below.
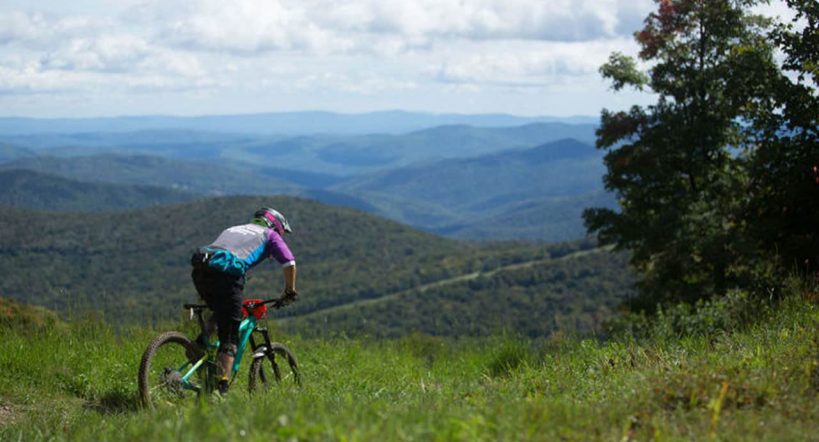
point(273, 219)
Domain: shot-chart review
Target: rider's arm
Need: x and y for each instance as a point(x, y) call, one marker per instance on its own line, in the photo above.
point(282, 254)
point(290, 278)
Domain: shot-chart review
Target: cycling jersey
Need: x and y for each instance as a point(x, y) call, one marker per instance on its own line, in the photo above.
point(239, 248)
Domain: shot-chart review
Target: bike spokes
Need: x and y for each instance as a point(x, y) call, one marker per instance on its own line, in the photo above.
point(167, 375)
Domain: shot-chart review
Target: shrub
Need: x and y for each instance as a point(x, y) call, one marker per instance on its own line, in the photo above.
point(509, 356)
point(735, 310)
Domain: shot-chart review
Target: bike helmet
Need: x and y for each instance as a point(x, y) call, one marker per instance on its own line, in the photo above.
point(272, 219)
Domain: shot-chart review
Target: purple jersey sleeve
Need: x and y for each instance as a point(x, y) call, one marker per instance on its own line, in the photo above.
point(279, 250)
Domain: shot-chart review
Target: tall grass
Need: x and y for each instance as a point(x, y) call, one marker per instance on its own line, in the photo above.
point(78, 382)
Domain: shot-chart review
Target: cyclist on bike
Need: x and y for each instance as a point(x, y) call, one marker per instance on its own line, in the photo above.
point(219, 276)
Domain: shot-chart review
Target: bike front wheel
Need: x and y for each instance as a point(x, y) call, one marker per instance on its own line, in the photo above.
point(165, 364)
point(265, 369)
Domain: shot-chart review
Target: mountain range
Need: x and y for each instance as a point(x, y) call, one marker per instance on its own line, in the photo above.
point(342, 155)
point(533, 193)
point(522, 182)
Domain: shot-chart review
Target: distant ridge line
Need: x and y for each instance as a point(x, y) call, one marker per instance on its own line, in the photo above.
point(280, 123)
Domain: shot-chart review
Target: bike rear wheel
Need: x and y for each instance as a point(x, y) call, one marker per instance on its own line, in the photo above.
point(265, 369)
point(166, 360)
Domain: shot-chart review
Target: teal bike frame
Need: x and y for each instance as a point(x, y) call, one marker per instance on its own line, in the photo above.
point(208, 360)
point(246, 328)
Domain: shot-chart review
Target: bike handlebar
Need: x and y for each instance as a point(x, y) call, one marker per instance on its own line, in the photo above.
point(277, 304)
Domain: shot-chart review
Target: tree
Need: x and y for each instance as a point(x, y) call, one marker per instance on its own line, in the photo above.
point(677, 166)
point(783, 211)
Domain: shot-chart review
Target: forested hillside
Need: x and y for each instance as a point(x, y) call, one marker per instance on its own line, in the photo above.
point(32, 190)
point(574, 293)
point(532, 193)
point(544, 218)
point(10, 152)
point(190, 175)
point(133, 265)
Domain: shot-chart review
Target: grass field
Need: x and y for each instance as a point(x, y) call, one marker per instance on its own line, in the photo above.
point(78, 382)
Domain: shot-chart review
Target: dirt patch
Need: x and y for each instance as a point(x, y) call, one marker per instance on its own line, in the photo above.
point(113, 403)
point(6, 415)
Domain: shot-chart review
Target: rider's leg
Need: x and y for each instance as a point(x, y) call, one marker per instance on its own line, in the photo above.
point(224, 363)
point(227, 352)
point(228, 344)
point(223, 293)
point(228, 327)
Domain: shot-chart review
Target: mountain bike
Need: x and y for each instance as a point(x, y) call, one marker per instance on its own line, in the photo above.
point(175, 369)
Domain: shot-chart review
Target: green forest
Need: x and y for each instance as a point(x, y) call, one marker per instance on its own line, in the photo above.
point(134, 265)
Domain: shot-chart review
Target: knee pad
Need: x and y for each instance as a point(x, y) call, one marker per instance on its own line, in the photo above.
point(228, 349)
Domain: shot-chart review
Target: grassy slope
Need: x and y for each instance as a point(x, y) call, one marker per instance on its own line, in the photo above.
point(760, 383)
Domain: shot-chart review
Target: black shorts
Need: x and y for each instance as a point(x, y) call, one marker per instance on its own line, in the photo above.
point(223, 294)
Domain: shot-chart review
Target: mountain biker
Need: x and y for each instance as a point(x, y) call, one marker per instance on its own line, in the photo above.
point(219, 276)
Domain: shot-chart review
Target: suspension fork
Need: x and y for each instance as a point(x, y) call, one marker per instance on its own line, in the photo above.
point(265, 334)
point(269, 353)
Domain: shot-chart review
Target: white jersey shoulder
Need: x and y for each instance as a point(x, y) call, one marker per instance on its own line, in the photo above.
point(246, 229)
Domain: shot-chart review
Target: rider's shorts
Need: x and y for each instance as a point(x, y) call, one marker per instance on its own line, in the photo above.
point(223, 294)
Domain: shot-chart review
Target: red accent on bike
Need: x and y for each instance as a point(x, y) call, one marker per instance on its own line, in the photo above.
point(259, 311)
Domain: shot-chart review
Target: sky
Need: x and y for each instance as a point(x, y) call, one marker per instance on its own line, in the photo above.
point(91, 58)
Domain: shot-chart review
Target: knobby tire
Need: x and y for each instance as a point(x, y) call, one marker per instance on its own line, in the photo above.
point(267, 366)
point(188, 350)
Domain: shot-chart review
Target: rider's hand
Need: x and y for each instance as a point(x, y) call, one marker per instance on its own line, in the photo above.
point(289, 296)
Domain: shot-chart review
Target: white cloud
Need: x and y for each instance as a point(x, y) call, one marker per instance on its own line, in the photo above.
point(775, 9)
point(107, 62)
point(554, 20)
point(361, 48)
point(324, 26)
point(563, 20)
point(123, 54)
point(527, 64)
point(31, 79)
point(39, 30)
point(114, 53)
point(359, 83)
point(44, 53)
point(243, 26)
